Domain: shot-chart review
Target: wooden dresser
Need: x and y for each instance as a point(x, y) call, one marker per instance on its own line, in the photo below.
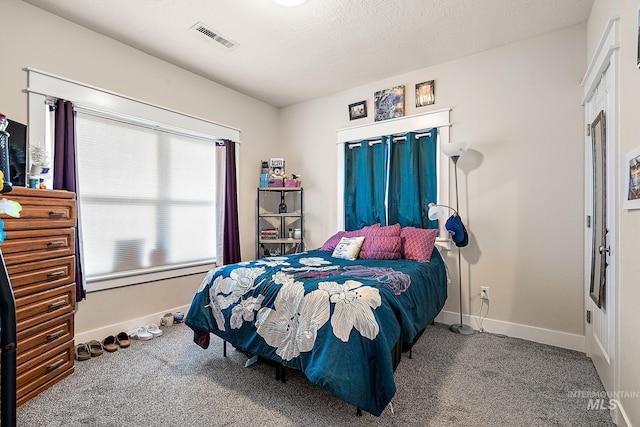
point(39, 254)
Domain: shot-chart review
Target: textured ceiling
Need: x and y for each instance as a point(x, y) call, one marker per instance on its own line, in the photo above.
point(287, 55)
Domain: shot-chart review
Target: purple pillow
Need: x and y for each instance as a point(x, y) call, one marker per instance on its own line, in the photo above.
point(381, 247)
point(333, 241)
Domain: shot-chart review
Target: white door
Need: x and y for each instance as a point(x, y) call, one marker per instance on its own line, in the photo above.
point(600, 229)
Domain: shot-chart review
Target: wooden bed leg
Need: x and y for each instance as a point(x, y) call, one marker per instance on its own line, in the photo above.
point(359, 412)
point(224, 348)
point(278, 372)
point(410, 352)
point(283, 375)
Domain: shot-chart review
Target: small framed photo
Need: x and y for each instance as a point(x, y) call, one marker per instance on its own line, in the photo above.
point(358, 110)
point(425, 93)
point(632, 180)
point(389, 103)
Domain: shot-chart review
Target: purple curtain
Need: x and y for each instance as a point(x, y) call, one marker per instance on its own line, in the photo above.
point(231, 253)
point(64, 170)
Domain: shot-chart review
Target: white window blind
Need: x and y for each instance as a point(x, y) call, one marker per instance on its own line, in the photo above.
point(146, 197)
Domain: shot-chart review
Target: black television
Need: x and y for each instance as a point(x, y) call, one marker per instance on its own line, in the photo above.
point(17, 152)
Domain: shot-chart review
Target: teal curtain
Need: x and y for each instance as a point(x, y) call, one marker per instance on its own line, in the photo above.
point(365, 180)
point(413, 181)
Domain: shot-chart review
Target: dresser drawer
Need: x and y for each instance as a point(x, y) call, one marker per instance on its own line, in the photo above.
point(44, 306)
point(36, 245)
point(43, 337)
point(41, 212)
point(39, 276)
point(43, 369)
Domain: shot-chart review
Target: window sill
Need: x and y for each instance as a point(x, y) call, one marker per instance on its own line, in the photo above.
point(118, 280)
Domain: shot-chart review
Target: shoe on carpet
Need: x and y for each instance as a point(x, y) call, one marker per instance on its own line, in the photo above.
point(122, 339)
point(109, 344)
point(153, 329)
point(95, 348)
point(82, 352)
point(167, 319)
point(140, 334)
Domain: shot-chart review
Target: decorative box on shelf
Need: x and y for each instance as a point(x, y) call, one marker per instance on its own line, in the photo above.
point(275, 182)
point(291, 183)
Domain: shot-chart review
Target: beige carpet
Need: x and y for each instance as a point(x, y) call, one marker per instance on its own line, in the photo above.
point(452, 380)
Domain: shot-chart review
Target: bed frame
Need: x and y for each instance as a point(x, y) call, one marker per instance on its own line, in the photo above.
point(396, 356)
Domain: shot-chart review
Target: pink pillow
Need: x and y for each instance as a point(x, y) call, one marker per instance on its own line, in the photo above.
point(418, 243)
point(333, 241)
point(381, 247)
point(390, 230)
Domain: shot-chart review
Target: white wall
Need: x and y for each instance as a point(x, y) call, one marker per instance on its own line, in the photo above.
point(518, 107)
point(629, 221)
point(34, 38)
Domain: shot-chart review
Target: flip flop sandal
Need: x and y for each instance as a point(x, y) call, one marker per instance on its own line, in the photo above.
point(95, 348)
point(109, 344)
point(82, 352)
point(123, 340)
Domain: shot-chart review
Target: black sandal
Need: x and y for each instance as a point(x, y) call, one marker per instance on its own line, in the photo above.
point(109, 344)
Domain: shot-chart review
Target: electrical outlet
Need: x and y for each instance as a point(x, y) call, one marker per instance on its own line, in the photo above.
point(484, 292)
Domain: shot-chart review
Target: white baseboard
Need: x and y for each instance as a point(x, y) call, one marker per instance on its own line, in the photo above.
point(101, 333)
point(530, 333)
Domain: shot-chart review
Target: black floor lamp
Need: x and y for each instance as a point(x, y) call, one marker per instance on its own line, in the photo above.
point(454, 225)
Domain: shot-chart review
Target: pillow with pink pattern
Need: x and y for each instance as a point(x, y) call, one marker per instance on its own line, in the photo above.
point(333, 241)
point(389, 230)
point(418, 243)
point(381, 247)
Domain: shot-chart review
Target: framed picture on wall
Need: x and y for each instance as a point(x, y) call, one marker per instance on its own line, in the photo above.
point(425, 93)
point(389, 103)
point(632, 180)
point(358, 110)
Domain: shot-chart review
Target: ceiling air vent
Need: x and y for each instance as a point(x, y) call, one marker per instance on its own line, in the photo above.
point(214, 35)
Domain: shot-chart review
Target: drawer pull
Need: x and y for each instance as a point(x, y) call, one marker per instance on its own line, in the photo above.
point(55, 365)
point(55, 335)
point(55, 245)
point(57, 304)
point(55, 275)
point(53, 214)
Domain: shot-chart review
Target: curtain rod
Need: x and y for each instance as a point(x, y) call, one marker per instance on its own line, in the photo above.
point(372, 142)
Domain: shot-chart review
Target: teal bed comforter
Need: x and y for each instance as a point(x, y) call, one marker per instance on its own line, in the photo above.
point(335, 320)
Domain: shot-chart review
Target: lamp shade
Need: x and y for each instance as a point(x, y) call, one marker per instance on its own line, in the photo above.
point(435, 211)
point(454, 149)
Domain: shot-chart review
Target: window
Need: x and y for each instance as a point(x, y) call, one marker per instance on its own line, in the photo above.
point(146, 197)
point(147, 178)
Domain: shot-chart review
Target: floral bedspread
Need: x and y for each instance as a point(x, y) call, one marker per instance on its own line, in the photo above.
point(336, 320)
